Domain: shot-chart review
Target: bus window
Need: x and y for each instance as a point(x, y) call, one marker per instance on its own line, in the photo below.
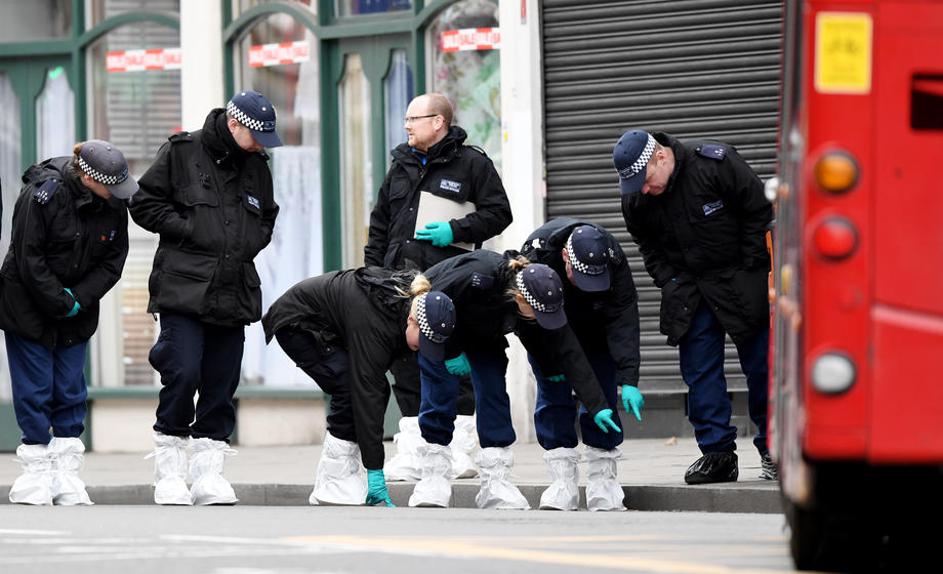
point(926, 102)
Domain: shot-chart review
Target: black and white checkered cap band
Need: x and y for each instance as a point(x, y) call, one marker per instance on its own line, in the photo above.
point(244, 119)
point(642, 160)
point(423, 321)
point(579, 265)
point(529, 297)
point(101, 177)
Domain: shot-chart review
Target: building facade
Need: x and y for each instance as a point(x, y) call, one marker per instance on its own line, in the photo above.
point(544, 88)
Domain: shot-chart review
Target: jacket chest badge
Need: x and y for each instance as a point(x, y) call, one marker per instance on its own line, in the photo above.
point(450, 186)
point(480, 281)
point(253, 201)
point(108, 236)
point(712, 207)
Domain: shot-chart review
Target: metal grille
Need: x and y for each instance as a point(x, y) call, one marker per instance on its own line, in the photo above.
point(692, 68)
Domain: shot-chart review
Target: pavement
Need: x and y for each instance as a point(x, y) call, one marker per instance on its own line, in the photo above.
point(651, 471)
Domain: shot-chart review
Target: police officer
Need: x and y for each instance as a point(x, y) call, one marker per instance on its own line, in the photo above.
point(494, 294)
point(344, 329)
point(699, 216)
point(602, 309)
point(434, 160)
point(68, 248)
point(209, 196)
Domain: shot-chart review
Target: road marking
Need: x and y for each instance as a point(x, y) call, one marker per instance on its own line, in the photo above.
point(460, 549)
point(19, 531)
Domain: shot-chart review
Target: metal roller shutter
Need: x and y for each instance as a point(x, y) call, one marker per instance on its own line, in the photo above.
point(692, 68)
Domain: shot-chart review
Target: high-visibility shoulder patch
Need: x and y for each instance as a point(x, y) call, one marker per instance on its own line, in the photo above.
point(713, 151)
point(44, 192)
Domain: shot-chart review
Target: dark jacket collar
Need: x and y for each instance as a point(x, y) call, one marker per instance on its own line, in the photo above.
point(444, 148)
point(218, 140)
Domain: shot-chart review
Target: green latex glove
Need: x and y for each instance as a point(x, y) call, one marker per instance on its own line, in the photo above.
point(603, 420)
point(633, 401)
point(556, 378)
point(458, 366)
point(76, 307)
point(376, 489)
point(439, 233)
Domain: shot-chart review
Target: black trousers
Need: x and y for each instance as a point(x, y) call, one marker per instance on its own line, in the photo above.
point(406, 388)
point(192, 356)
point(328, 366)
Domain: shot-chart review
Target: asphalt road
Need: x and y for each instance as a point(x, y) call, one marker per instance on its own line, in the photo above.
point(299, 540)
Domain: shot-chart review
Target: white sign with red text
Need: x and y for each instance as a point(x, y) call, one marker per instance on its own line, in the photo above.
point(264, 55)
point(143, 60)
point(468, 39)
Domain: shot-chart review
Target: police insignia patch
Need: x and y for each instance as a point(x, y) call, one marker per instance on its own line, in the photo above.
point(44, 192)
point(481, 281)
point(713, 151)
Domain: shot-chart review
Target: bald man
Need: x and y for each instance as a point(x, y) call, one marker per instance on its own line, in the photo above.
point(435, 160)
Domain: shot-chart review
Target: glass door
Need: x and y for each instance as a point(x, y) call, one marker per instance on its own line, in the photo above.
point(374, 83)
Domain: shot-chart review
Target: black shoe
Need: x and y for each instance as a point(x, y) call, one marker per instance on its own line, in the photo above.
point(713, 467)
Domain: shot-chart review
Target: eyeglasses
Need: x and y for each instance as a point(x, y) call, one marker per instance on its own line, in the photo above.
point(411, 119)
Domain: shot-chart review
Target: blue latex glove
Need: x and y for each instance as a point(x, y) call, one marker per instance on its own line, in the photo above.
point(603, 420)
point(633, 401)
point(556, 378)
point(376, 489)
point(458, 366)
point(439, 233)
point(76, 307)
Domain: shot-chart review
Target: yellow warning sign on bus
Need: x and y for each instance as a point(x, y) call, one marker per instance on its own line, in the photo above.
point(843, 42)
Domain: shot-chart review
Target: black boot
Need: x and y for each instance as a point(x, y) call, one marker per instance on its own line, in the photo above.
point(713, 467)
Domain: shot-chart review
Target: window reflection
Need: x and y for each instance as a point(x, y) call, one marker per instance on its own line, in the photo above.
point(357, 7)
point(470, 78)
point(136, 111)
point(356, 164)
point(99, 10)
point(55, 116)
point(398, 91)
point(297, 250)
point(10, 171)
point(31, 20)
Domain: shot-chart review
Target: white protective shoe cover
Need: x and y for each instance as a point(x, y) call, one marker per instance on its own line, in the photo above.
point(564, 491)
point(463, 445)
point(170, 470)
point(434, 489)
point(341, 478)
point(496, 490)
point(405, 465)
point(34, 486)
point(67, 488)
point(603, 491)
point(206, 472)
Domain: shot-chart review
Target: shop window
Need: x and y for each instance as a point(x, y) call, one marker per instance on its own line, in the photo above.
point(55, 116)
point(137, 110)
point(240, 6)
point(465, 67)
point(32, 20)
point(356, 166)
point(398, 91)
point(277, 56)
point(10, 160)
point(99, 10)
point(357, 7)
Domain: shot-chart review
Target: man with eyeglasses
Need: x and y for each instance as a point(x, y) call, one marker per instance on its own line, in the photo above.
point(433, 160)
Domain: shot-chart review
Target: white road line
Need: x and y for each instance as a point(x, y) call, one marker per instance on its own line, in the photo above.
point(23, 532)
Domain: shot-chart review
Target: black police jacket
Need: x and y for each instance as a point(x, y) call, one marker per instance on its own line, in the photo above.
point(214, 209)
point(453, 171)
point(605, 320)
point(363, 312)
point(64, 236)
point(478, 284)
point(705, 236)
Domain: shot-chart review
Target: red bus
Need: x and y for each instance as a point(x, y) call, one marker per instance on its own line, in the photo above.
point(856, 384)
